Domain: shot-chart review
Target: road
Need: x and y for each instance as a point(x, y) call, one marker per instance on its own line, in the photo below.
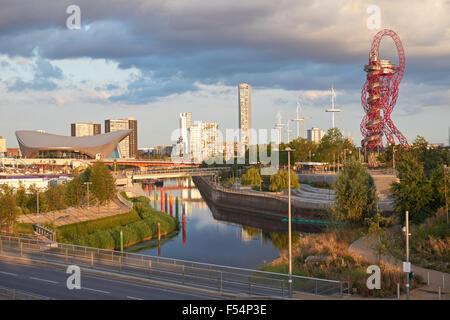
point(51, 283)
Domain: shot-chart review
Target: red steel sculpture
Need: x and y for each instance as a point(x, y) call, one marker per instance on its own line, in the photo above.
point(379, 95)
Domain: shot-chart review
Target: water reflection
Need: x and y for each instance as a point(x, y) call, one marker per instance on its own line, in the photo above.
point(215, 235)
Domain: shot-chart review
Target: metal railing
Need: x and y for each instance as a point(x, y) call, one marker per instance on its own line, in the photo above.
point(45, 231)
point(180, 169)
point(15, 294)
point(194, 274)
point(124, 201)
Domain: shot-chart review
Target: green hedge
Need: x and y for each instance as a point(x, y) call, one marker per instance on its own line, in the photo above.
point(139, 224)
point(71, 232)
point(132, 233)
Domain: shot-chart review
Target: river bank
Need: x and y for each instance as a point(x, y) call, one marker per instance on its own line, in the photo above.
point(138, 225)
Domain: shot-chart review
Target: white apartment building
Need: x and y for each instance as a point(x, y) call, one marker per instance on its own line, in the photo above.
point(315, 134)
point(245, 112)
point(204, 142)
point(82, 129)
point(2, 146)
point(185, 127)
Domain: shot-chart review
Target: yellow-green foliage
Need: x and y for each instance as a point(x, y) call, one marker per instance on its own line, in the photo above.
point(251, 177)
point(279, 181)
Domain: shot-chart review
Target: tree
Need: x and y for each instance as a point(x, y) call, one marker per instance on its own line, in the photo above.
point(8, 207)
point(378, 232)
point(303, 149)
point(251, 177)
point(103, 183)
point(279, 181)
point(75, 191)
point(21, 196)
point(414, 192)
point(333, 146)
point(56, 197)
point(355, 193)
point(440, 183)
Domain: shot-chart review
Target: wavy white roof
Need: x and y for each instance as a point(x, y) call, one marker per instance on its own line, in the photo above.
point(31, 142)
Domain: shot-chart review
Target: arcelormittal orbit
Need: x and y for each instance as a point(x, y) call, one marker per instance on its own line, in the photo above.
point(379, 95)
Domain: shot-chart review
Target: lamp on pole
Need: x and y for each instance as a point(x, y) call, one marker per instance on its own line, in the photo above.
point(88, 183)
point(407, 270)
point(289, 150)
point(445, 190)
point(37, 200)
point(393, 157)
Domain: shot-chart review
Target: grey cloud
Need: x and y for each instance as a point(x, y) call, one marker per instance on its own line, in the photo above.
point(290, 44)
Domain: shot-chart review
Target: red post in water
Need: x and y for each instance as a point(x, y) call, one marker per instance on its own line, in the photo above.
point(184, 229)
point(171, 205)
point(162, 200)
point(166, 207)
point(159, 250)
point(159, 231)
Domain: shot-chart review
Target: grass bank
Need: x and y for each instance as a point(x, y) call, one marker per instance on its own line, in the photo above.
point(138, 225)
point(338, 263)
point(429, 243)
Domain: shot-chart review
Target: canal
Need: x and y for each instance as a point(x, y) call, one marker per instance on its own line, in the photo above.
point(213, 235)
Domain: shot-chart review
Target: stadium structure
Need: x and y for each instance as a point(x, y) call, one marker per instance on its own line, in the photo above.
point(38, 144)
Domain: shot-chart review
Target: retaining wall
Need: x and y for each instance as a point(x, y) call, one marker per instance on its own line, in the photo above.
point(268, 205)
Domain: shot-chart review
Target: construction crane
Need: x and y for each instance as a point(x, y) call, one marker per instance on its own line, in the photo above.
point(298, 119)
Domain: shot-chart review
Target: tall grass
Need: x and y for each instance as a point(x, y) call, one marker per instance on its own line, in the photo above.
point(429, 243)
point(339, 263)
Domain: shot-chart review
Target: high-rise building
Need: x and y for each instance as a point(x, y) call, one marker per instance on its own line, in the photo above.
point(204, 142)
point(128, 146)
point(2, 147)
point(185, 127)
point(315, 134)
point(245, 112)
point(81, 129)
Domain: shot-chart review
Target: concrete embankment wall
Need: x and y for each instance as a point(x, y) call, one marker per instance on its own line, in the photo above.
point(317, 178)
point(275, 206)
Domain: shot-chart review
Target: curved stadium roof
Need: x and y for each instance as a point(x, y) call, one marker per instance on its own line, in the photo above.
point(31, 142)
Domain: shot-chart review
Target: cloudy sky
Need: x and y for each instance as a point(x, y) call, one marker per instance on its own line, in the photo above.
point(152, 59)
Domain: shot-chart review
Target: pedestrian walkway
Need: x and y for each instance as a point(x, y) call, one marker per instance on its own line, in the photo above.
point(434, 280)
point(75, 215)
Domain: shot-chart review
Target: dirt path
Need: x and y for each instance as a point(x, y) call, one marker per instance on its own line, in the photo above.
point(437, 279)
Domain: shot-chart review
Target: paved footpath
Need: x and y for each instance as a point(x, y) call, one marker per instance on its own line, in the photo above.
point(438, 279)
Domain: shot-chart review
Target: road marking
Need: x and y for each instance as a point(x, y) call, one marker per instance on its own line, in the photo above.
point(96, 290)
point(39, 279)
point(156, 288)
point(9, 273)
point(134, 298)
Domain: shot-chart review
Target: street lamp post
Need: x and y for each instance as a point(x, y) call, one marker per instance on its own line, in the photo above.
point(393, 157)
point(37, 200)
point(445, 191)
point(289, 150)
point(407, 253)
